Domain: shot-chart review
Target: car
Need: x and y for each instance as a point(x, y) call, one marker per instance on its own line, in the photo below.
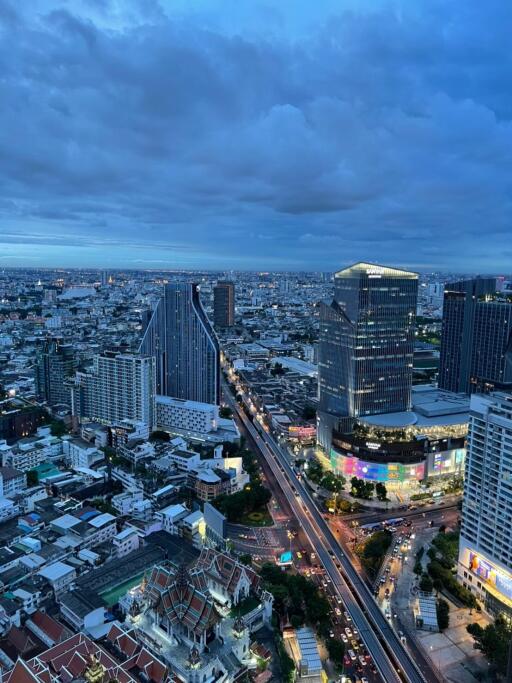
point(346, 660)
point(337, 611)
point(355, 631)
point(346, 614)
point(348, 631)
point(362, 660)
point(344, 638)
point(331, 634)
point(352, 655)
point(364, 679)
point(339, 603)
point(355, 644)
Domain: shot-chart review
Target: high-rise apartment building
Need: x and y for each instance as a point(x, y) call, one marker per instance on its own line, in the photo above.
point(224, 304)
point(55, 362)
point(118, 387)
point(476, 344)
point(485, 551)
point(366, 345)
point(180, 337)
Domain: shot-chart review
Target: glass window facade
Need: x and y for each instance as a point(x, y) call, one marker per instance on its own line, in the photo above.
point(366, 344)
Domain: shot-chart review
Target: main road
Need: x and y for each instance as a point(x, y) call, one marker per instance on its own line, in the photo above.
point(390, 656)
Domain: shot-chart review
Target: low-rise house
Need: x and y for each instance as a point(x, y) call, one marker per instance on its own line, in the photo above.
point(12, 481)
point(59, 575)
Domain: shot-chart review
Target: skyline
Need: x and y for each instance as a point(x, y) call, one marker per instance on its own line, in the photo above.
point(149, 135)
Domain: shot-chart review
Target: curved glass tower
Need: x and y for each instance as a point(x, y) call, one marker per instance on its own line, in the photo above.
point(180, 337)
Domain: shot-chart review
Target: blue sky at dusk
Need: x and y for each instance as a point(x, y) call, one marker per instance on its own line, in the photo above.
point(246, 134)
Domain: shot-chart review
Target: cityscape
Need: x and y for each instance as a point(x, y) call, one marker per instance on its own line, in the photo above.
point(255, 476)
point(255, 341)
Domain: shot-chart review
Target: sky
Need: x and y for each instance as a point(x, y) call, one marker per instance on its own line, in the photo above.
point(235, 134)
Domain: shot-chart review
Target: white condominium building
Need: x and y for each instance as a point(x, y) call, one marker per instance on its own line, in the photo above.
point(485, 554)
point(118, 387)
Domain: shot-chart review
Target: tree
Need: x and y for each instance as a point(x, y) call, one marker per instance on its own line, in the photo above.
point(308, 412)
point(361, 488)
point(381, 491)
point(426, 583)
point(225, 412)
point(443, 614)
point(58, 428)
point(160, 435)
point(32, 478)
point(373, 550)
point(246, 559)
point(277, 370)
point(336, 651)
point(493, 641)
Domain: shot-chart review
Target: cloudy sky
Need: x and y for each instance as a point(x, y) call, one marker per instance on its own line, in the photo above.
point(283, 134)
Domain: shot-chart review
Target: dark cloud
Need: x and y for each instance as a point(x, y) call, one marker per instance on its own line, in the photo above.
point(377, 132)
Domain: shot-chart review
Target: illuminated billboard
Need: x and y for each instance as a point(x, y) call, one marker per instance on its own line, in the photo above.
point(490, 574)
point(305, 432)
point(446, 462)
point(350, 466)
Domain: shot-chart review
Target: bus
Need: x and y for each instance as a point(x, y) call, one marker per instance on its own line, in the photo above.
point(397, 521)
point(368, 528)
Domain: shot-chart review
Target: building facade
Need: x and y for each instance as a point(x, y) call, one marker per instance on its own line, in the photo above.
point(181, 338)
point(366, 345)
point(485, 550)
point(476, 344)
point(55, 363)
point(224, 304)
point(118, 387)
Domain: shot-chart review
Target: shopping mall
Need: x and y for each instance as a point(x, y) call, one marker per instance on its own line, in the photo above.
point(404, 449)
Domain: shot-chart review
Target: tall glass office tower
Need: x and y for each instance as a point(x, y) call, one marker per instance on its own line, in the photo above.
point(180, 337)
point(224, 304)
point(476, 344)
point(366, 345)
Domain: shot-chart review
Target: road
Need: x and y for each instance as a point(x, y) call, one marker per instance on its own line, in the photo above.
point(391, 658)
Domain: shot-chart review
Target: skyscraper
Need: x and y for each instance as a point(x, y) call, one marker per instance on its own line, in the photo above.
point(476, 343)
point(180, 337)
point(224, 304)
point(485, 550)
point(55, 362)
point(118, 387)
point(366, 345)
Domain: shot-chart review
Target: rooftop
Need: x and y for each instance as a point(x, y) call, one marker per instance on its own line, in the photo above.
point(431, 407)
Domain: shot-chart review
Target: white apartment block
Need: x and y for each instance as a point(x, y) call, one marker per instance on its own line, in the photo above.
point(126, 541)
point(31, 452)
point(485, 552)
point(186, 417)
point(80, 453)
point(118, 387)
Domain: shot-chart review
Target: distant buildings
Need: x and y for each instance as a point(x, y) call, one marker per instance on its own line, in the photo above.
point(55, 363)
point(118, 387)
point(180, 337)
point(224, 304)
point(485, 551)
point(476, 346)
point(366, 345)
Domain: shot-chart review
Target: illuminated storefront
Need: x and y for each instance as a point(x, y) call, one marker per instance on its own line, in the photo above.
point(489, 581)
point(304, 434)
point(399, 461)
point(350, 466)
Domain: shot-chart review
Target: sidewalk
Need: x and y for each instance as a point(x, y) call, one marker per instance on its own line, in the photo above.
point(451, 652)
